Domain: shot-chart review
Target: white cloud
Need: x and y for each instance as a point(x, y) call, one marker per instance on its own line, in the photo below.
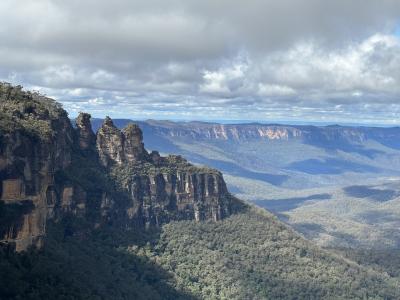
point(225, 80)
point(274, 90)
point(369, 66)
point(259, 59)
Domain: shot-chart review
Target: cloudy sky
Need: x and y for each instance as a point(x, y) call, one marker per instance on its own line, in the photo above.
point(266, 60)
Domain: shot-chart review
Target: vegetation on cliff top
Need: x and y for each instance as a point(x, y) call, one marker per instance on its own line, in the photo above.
point(123, 173)
point(27, 111)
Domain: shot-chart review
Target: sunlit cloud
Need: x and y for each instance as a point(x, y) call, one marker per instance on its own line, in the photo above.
point(262, 60)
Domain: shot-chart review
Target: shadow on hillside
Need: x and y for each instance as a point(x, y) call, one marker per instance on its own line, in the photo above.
point(158, 142)
point(330, 166)
point(309, 230)
point(344, 146)
point(376, 217)
point(313, 231)
point(287, 204)
point(363, 191)
point(235, 170)
point(87, 266)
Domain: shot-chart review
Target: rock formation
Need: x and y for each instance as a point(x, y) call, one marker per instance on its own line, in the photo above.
point(35, 143)
point(120, 147)
point(179, 195)
point(160, 188)
point(133, 144)
point(110, 144)
point(49, 170)
point(87, 139)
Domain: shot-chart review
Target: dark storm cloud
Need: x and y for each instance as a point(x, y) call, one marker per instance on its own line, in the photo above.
point(305, 59)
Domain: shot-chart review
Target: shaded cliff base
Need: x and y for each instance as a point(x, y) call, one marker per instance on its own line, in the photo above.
point(249, 255)
point(84, 266)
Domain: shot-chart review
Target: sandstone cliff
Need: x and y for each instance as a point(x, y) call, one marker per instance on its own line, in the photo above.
point(49, 170)
point(264, 132)
point(35, 142)
point(160, 188)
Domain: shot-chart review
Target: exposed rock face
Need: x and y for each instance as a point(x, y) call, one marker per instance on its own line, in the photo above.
point(46, 174)
point(244, 132)
point(35, 143)
point(120, 147)
point(179, 195)
point(133, 144)
point(212, 131)
point(173, 189)
point(110, 144)
point(160, 189)
point(87, 139)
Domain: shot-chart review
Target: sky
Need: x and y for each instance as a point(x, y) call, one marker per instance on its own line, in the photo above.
point(257, 60)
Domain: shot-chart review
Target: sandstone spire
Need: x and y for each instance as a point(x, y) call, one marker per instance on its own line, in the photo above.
point(87, 139)
point(110, 144)
point(133, 144)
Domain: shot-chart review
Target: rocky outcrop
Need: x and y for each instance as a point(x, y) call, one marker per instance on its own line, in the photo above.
point(120, 147)
point(179, 195)
point(134, 150)
point(87, 139)
point(49, 170)
point(160, 188)
point(110, 144)
point(35, 143)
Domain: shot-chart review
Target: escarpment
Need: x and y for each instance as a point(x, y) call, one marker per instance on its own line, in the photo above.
point(160, 188)
point(35, 142)
point(50, 169)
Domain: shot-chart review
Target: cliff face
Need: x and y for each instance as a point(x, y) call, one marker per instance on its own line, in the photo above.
point(160, 188)
point(49, 170)
point(120, 147)
point(87, 139)
point(211, 131)
point(35, 142)
point(243, 132)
